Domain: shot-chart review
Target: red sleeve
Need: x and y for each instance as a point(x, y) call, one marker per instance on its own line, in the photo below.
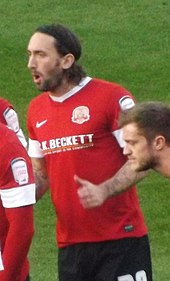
point(17, 242)
point(29, 122)
point(4, 104)
point(121, 100)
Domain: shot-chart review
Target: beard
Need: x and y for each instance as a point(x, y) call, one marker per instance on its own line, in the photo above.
point(150, 163)
point(54, 81)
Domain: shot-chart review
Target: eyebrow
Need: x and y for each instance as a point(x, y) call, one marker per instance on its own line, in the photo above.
point(36, 51)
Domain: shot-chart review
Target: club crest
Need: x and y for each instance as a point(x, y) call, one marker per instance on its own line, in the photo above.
point(80, 114)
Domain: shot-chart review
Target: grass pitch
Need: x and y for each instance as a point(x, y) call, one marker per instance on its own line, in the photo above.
point(123, 41)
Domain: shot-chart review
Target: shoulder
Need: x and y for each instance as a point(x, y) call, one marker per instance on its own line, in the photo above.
point(113, 92)
point(110, 87)
point(8, 140)
point(41, 98)
point(4, 104)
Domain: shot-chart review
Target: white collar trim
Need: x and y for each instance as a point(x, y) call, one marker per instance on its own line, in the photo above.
point(73, 91)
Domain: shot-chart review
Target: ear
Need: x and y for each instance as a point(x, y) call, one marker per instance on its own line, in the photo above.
point(67, 61)
point(159, 142)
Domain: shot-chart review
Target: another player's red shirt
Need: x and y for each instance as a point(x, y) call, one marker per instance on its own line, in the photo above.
point(78, 134)
point(4, 105)
point(17, 194)
point(9, 117)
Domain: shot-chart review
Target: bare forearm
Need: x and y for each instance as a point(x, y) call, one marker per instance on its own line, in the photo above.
point(41, 177)
point(122, 180)
point(92, 195)
point(42, 183)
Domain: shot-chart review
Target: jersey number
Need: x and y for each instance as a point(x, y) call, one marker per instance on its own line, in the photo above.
point(140, 276)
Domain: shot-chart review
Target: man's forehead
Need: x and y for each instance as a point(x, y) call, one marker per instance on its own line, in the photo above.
point(131, 131)
point(131, 127)
point(40, 40)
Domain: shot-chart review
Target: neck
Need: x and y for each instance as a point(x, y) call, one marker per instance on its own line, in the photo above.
point(163, 165)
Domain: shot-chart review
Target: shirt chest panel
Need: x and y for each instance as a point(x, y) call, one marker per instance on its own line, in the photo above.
point(71, 119)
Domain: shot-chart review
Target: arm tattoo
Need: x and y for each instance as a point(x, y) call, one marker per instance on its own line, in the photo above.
point(123, 180)
point(41, 177)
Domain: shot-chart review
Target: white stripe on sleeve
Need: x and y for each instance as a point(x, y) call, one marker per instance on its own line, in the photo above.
point(1, 263)
point(34, 149)
point(22, 138)
point(18, 196)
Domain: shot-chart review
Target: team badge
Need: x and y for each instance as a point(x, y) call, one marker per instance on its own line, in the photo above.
point(19, 170)
point(126, 102)
point(80, 114)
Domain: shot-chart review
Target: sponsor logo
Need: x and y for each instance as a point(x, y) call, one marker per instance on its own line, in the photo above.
point(19, 170)
point(126, 102)
point(129, 228)
point(80, 114)
point(67, 143)
point(39, 124)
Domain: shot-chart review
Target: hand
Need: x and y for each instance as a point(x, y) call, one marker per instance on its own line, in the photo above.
point(90, 195)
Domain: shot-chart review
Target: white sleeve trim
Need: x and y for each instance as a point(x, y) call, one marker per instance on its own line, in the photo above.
point(1, 263)
point(34, 149)
point(18, 196)
point(12, 121)
point(126, 102)
point(118, 134)
point(22, 138)
point(11, 118)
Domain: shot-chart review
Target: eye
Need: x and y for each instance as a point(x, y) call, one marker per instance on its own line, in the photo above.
point(130, 142)
point(41, 54)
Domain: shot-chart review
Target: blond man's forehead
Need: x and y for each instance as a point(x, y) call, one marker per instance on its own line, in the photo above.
point(131, 131)
point(131, 127)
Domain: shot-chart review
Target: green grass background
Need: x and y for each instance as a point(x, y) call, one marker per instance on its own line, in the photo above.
point(123, 41)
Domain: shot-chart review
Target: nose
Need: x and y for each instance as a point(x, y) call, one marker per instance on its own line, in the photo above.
point(31, 62)
point(126, 150)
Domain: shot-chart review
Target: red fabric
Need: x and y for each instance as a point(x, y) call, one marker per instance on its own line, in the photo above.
point(89, 149)
point(11, 148)
point(16, 234)
point(4, 104)
point(16, 224)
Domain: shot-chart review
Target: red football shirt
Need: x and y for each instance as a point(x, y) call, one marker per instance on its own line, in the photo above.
point(9, 117)
point(78, 134)
point(17, 194)
point(4, 105)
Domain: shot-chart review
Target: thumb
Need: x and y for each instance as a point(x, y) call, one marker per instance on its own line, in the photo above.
point(79, 180)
